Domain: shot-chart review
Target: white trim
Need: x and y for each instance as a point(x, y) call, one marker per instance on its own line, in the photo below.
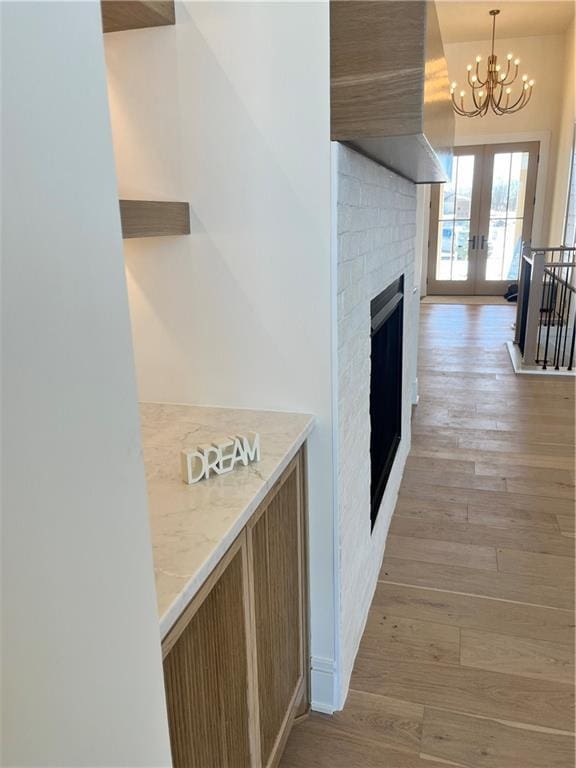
point(542, 178)
point(415, 392)
point(531, 370)
point(323, 676)
point(320, 700)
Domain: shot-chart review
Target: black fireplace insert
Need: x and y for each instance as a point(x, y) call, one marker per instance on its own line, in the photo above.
point(385, 388)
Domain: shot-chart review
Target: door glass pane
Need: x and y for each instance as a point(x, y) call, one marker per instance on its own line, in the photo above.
point(454, 221)
point(444, 262)
point(508, 196)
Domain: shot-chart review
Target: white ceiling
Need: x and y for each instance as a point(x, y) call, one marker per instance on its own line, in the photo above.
point(463, 20)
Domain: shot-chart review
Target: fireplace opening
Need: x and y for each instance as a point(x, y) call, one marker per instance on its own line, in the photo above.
point(385, 388)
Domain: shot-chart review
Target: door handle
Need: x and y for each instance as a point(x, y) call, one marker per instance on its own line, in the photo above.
point(472, 241)
point(482, 242)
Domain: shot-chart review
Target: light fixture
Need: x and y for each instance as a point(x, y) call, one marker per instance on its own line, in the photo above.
point(493, 92)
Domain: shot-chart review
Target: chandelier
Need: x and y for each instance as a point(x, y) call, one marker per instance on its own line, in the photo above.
point(493, 92)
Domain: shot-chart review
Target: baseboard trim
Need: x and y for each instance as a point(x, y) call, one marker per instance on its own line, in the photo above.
point(323, 678)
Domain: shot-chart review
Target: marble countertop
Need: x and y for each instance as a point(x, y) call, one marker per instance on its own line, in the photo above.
point(192, 526)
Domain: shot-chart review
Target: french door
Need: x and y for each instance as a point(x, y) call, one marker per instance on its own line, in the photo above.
point(481, 217)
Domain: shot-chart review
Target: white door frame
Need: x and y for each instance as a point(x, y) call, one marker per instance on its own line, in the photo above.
point(541, 183)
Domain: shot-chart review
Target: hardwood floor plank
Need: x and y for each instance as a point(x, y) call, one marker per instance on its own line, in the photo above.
point(512, 444)
point(515, 471)
point(540, 488)
point(531, 590)
point(535, 564)
point(515, 458)
point(414, 477)
point(471, 691)
point(461, 422)
point(470, 612)
point(394, 723)
point(430, 464)
point(391, 636)
point(526, 408)
point(517, 656)
point(431, 551)
point(317, 743)
point(483, 535)
point(483, 743)
point(500, 517)
point(493, 499)
point(430, 509)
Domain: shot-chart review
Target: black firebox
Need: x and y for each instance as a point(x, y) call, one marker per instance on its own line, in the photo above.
point(385, 387)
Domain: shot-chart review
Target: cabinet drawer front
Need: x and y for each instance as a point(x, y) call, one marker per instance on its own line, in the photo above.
point(275, 544)
point(206, 678)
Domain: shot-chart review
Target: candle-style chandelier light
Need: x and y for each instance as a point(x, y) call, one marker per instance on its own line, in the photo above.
point(494, 91)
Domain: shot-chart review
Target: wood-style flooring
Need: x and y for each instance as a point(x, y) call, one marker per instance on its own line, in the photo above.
point(467, 658)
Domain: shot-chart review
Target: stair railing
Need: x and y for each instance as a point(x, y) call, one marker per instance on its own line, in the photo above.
point(546, 311)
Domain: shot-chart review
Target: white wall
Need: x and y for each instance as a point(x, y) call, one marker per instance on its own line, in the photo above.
point(229, 109)
point(543, 59)
point(81, 665)
point(376, 244)
point(565, 139)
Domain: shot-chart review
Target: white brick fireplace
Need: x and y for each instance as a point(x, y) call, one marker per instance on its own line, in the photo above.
point(376, 226)
point(292, 236)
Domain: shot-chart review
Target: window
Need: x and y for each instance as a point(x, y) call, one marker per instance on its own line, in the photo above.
point(570, 223)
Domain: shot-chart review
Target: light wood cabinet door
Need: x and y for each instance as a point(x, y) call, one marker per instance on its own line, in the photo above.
point(277, 570)
point(235, 662)
point(209, 684)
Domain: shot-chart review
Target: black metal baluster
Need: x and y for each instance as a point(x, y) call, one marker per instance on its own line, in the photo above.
point(571, 360)
point(560, 305)
point(570, 273)
point(548, 313)
point(540, 313)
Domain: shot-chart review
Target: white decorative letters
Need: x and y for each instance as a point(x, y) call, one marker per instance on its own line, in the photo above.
point(193, 466)
point(219, 458)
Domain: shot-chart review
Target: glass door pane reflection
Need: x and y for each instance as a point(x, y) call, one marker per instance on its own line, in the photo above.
point(508, 195)
point(452, 260)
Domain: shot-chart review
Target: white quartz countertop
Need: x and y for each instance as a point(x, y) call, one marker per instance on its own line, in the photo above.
point(192, 526)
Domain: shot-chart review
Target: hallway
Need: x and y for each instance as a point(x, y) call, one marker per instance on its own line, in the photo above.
point(467, 655)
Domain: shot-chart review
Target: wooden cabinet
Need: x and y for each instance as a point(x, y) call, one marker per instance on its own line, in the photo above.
point(236, 661)
point(389, 87)
point(275, 545)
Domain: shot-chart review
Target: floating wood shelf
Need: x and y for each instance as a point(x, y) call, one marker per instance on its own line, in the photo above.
point(146, 218)
point(389, 85)
point(121, 15)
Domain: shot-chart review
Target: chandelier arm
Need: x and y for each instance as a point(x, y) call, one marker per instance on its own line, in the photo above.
point(477, 73)
point(502, 110)
point(474, 99)
point(498, 100)
point(472, 84)
point(519, 103)
point(456, 107)
point(526, 100)
point(460, 111)
point(514, 76)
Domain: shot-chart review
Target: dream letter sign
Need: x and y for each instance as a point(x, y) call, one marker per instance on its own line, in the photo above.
point(219, 458)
